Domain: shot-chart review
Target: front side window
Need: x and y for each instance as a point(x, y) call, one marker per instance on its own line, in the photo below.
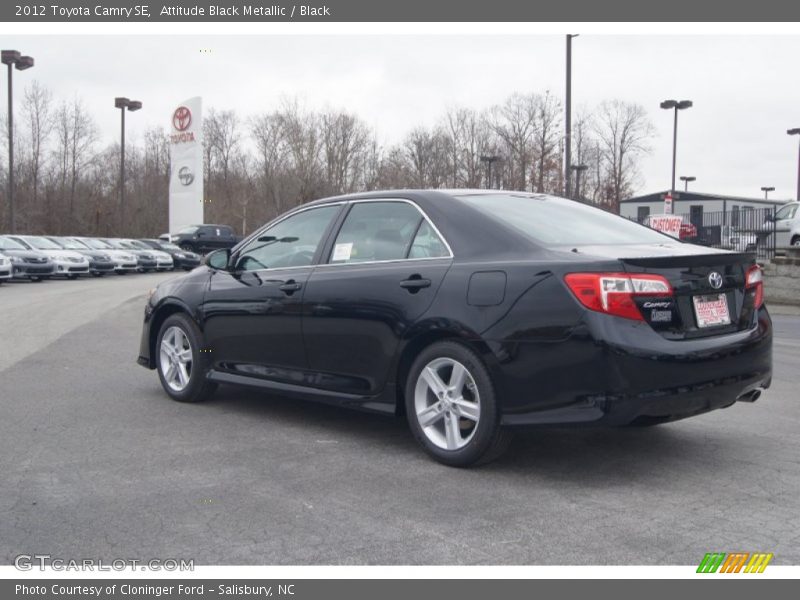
point(292, 242)
point(376, 231)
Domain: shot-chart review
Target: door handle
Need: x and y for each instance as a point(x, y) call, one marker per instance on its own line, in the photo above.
point(415, 283)
point(290, 287)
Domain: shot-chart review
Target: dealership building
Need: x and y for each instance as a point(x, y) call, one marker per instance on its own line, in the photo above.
point(693, 205)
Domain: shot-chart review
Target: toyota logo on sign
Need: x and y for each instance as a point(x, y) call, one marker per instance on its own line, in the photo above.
point(715, 279)
point(181, 118)
point(185, 176)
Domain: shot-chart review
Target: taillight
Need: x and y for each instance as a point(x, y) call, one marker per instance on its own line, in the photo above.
point(755, 281)
point(613, 293)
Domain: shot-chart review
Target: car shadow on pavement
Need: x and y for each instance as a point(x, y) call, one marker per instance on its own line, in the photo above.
point(605, 455)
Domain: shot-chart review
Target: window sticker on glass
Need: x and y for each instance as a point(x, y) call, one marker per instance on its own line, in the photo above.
point(342, 252)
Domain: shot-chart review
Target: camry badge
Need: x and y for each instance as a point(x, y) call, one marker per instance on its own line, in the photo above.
point(715, 279)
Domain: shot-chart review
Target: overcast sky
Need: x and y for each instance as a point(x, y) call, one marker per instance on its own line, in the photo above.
point(746, 90)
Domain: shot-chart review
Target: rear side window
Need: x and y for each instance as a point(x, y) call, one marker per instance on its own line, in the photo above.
point(428, 244)
point(375, 231)
point(555, 221)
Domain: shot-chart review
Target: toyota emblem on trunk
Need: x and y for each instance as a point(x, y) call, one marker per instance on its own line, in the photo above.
point(715, 279)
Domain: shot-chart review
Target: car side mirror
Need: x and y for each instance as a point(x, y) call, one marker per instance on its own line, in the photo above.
point(219, 259)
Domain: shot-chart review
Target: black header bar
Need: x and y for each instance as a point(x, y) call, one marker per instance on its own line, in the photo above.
point(241, 11)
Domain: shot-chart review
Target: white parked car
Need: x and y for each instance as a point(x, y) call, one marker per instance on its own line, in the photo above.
point(5, 267)
point(787, 225)
point(164, 260)
point(737, 240)
point(124, 261)
point(68, 263)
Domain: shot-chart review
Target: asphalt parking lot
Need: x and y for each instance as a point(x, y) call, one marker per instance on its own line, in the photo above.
point(98, 462)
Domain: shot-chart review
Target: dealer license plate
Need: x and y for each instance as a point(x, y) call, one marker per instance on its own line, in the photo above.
point(711, 310)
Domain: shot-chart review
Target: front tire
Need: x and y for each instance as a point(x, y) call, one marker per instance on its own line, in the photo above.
point(452, 407)
point(181, 366)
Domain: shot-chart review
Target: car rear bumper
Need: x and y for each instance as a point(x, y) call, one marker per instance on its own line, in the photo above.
point(617, 373)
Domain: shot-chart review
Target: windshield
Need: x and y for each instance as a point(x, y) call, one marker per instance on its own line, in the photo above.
point(786, 212)
point(116, 244)
point(71, 244)
point(41, 243)
point(168, 246)
point(553, 221)
point(97, 244)
point(188, 230)
point(7, 244)
point(137, 244)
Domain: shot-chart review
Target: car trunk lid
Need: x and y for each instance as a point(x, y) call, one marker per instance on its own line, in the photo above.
point(709, 297)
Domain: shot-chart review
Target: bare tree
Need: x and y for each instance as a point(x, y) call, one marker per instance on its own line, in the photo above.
point(623, 130)
point(547, 136)
point(514, 122)
point(38, 115)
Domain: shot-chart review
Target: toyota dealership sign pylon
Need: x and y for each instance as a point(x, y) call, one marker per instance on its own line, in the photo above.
point(186, 165)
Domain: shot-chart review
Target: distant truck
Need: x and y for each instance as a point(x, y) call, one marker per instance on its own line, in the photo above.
point(203, 238)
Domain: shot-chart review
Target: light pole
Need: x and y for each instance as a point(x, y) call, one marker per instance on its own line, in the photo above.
point(686, 179)
point(568, 120)
point(676, 106)
point(489, 159)
point(132, 105)
point(767, 190)
point(12, 58)
point(796, 131)
point(578, 170)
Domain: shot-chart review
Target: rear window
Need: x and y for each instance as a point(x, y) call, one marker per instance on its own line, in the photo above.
point(553, 221)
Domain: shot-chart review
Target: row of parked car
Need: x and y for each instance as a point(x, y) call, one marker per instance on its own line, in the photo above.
point(40, 257)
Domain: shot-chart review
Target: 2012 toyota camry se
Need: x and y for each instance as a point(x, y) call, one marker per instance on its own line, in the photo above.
point(470, 313)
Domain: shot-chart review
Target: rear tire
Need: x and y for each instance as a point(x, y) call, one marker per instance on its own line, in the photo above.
point(796, 240)
point(452, 408)
point(181, 365)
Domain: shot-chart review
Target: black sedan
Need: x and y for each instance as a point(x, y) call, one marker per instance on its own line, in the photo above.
point(183, 259)
point(471, 313)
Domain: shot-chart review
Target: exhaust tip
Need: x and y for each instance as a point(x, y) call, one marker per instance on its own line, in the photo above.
point(750, 396)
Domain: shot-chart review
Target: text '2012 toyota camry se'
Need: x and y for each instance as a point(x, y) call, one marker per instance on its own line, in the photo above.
point(469, 312)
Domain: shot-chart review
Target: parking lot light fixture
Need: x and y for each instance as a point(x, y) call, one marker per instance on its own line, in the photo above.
point(686, 179)
point(675, 105)
point(490, 159)
point(15, 59)
point(123, 104)
point(796, 131)
point(578, 170)
point(767, 190)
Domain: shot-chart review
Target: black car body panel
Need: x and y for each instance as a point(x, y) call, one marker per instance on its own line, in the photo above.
point(349, 332)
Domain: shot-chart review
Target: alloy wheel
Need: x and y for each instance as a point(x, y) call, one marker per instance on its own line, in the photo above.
point(447, 403)
point(175, 358)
